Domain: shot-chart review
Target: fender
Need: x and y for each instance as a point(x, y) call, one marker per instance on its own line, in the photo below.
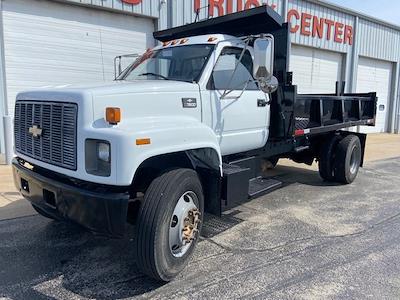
point(166, 135)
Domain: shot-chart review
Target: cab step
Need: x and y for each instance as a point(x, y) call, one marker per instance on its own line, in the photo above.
point(239, 185)
point(261, 186)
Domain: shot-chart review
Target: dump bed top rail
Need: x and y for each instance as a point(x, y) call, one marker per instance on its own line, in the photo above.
point(315, 114)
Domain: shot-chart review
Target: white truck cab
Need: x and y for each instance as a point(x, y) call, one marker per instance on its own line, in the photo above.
point(181, 110)
point(187, 128)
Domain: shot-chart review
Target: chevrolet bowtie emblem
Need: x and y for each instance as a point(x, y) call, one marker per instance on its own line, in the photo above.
point(35, 130)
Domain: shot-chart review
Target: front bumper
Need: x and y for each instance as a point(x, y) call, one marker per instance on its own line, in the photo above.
point(102, 212)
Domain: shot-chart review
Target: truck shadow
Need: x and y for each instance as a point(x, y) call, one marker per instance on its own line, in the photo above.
point(40, 259)
point(290, 175)
point(104, 268)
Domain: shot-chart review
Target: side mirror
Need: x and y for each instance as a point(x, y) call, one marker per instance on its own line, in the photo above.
point(118, 69)
point(117, 66)
point(263, 66)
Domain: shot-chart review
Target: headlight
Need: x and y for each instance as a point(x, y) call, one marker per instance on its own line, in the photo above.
point(98, 157)
point(103, 151)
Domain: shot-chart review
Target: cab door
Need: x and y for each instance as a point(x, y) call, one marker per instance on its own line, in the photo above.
point(240, 109)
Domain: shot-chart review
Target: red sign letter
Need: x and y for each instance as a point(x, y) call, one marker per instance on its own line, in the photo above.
point(339, 32)
point(318, 27)
point(329, 29)
point(239, 4)
point(293, 13)
point(305, 24)
point(229, 7)
point(134, 2)
point(250, 3)
point(348, 35)
point(196, 5)
point(219, 4)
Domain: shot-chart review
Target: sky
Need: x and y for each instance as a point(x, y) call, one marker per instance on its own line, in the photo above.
point(387, 10)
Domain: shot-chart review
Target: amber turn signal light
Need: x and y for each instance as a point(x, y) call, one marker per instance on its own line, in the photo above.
point(113, 115)
point(141, 142)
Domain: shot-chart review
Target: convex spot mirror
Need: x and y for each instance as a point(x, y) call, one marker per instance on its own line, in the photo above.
point(263, 69)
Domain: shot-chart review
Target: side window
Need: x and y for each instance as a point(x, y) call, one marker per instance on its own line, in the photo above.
point(221, 78)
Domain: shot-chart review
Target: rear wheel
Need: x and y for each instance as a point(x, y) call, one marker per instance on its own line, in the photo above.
point(348, 159)
point(169, 223)
point(269, 164)
point(327, 157)
point(274, 161)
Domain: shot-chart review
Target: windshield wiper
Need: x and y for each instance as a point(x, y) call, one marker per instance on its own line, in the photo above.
point(154, 74)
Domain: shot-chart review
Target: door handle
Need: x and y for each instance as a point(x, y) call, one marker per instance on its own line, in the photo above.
point(262, 102)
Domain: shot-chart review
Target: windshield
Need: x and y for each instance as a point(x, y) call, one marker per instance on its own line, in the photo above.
point(182, 63)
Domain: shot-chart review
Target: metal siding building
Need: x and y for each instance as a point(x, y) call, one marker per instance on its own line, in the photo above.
point(355, 48)
point(56, 42)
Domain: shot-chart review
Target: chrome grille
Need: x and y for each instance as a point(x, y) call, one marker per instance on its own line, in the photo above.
point(56, 144)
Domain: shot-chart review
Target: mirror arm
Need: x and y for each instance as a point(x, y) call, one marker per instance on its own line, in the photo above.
point(237, 65)
point(118, 71)
point(117, 58)
point(226, 93)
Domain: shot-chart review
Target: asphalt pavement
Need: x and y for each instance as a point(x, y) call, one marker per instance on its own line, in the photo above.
point(307, 240)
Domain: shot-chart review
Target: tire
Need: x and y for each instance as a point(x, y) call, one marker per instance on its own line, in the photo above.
point(155, 257)
point(327, 158)
point(348, 159)
point(268, 164)
point(274, 161)
point(44, 213)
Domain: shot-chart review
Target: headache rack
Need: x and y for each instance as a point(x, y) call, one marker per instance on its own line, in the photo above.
point(255, 21)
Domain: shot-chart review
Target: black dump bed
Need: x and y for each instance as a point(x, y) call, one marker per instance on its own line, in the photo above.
point(321, 113)
point(292, 114)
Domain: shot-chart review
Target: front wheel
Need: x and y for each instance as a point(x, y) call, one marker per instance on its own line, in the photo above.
point(169, 223)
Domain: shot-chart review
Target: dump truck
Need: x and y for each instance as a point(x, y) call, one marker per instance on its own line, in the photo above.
point(188, 128)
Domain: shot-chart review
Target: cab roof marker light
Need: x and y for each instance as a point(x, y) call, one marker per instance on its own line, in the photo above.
point(212, 39)
point(183, 41)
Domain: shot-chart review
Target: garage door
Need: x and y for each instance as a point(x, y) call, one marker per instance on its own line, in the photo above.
point(315, 71)
point(49, 43)
point(375, 76)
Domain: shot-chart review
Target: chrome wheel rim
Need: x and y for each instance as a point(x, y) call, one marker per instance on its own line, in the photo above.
point(183, 226)
point(354, 160)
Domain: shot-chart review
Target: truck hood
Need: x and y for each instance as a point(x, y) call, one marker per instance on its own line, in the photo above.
point(137, 100)
point(75, 92)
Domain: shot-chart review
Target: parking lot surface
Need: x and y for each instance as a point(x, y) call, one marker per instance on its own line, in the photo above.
point(308, 240)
